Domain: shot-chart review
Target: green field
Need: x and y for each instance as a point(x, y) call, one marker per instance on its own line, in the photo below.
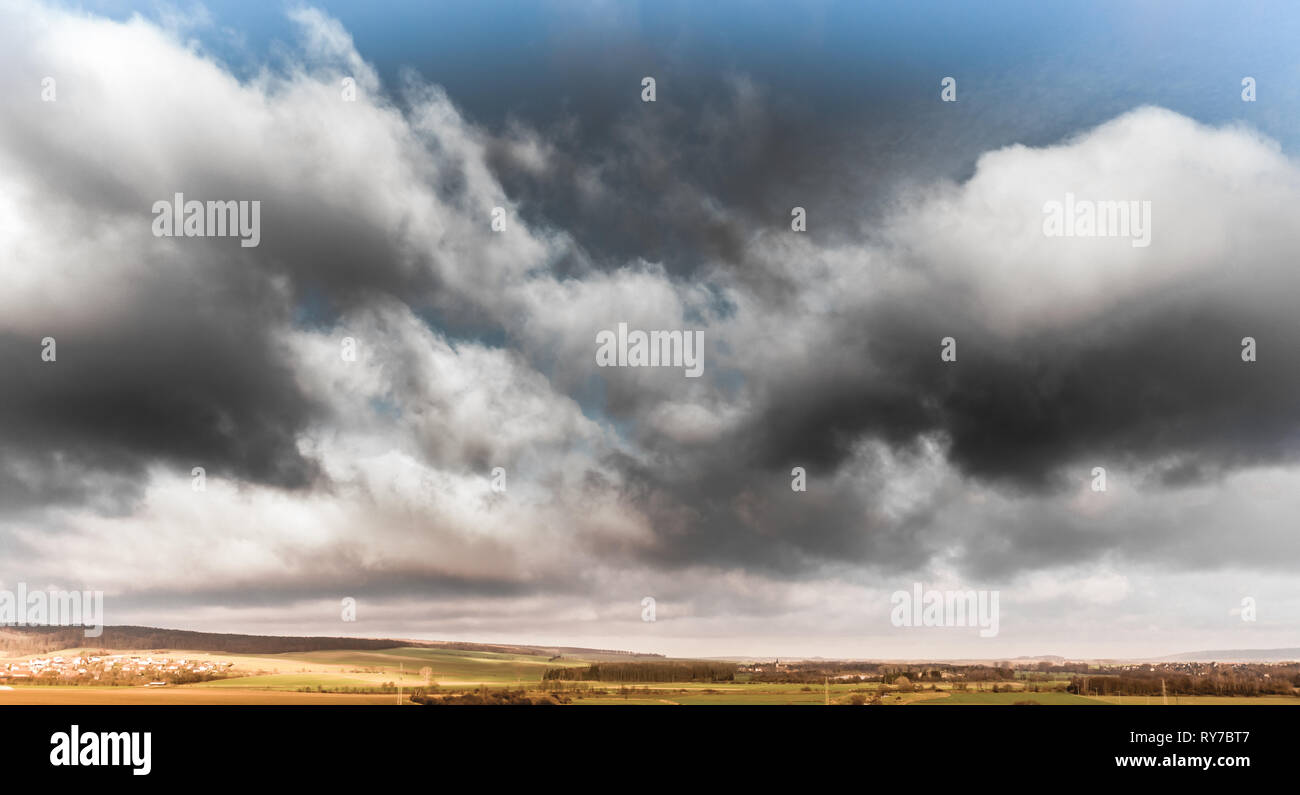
point(450, 666)
point(290, 682)
point(755, 694)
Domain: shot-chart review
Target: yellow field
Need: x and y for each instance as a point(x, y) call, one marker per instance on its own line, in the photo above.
point(182, 695)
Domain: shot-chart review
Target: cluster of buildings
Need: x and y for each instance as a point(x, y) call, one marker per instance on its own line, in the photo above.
point(158, 671)
point(1204, 668)
point(762, 667)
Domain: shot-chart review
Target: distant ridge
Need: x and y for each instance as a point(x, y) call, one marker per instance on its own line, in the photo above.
point(1236, 655)
point(20, 641)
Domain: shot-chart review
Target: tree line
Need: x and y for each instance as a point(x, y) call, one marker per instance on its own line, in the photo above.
point(1143, 683)
point(702, 671)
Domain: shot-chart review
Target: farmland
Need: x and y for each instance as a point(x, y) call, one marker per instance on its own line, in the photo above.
point(176, 696)
point(1048, 698)
point(332, 677)
point(390, 676)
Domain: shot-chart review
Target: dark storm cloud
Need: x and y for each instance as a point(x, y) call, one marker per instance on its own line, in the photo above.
point(687, 180)
point(190, 379)
point(721, 511)
point(1157, 394)
point(1138, 384)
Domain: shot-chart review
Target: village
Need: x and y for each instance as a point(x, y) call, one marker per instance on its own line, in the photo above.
point(103, 668)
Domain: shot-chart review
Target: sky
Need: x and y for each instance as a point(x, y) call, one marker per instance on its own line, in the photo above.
point(328, 477)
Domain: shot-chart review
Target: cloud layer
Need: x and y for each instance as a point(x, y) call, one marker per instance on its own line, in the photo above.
point(372, 478)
